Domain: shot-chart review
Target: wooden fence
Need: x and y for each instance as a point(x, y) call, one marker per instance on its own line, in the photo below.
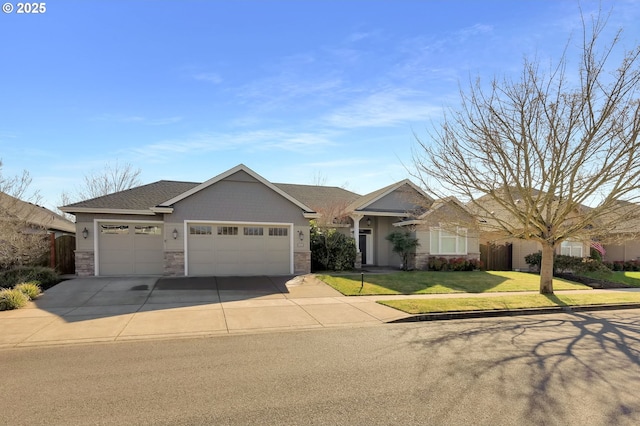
point(62, 254)
point(497, 257)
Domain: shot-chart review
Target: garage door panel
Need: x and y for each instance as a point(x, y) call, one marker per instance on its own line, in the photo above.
point(238, 254)
point(130, 249)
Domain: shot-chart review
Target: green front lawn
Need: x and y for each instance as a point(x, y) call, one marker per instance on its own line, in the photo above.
point(429, 282)
point(629, 278)
point(424, 306)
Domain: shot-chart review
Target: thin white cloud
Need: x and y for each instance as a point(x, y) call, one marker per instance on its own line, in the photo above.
point(250, 141)
point(209, 77)
point(118, 118)
point(385, 108)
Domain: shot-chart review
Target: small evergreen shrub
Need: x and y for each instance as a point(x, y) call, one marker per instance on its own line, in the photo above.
point(31, 289)
point(453, 264)
point(10, 298)
point(46, 277)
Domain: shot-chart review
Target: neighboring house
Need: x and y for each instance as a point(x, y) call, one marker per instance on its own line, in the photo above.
point(29, 232)
point(238, 223)
point(621, 244)
point(624, 241)
point(34, 217)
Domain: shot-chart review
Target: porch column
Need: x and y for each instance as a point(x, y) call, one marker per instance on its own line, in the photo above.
point(356, 229)
point(356, 235)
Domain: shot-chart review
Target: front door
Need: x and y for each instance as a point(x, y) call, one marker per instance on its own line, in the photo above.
point(366, 246)
point(363, 248)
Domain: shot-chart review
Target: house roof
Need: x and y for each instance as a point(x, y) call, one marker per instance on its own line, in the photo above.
point(138, 199)
point(222, 176)
point(34, 214)
point(158, 197)
point(316, 196)
point(363, 203)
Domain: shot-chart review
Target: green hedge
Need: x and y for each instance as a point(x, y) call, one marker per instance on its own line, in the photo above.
point(46, 277)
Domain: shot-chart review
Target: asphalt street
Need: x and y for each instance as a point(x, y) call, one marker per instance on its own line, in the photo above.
point(565, 369)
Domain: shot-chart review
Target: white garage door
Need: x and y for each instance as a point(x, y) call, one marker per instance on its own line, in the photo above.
point(243, 249)
point(130, 249)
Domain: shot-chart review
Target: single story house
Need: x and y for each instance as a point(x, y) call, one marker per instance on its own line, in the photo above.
point(624, 242)
point(621, 244)
point(239, 223)
point(34, 218)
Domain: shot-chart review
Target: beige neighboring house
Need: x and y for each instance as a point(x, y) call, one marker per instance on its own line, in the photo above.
point(490, 234)
point(624, 242)
point(35, 218)
point(239, 223)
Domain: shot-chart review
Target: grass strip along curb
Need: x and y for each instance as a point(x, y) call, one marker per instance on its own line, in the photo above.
point(464, 307)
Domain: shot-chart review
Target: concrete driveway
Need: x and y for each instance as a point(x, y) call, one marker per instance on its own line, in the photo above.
point(99, 309)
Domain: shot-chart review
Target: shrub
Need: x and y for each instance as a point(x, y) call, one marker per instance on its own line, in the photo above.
point(534, 259)
point(563, 263)
point(10, 298)
point(476, 264)
point(404, 245)
point(331, 250)
point(437, 263)
point(46, 277)
point(30, 289)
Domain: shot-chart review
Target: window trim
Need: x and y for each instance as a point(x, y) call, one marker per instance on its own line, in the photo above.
point(572, 245)
point(460, 235)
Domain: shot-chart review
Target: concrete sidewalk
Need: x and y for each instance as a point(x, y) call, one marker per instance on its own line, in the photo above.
point(99, 309)
point(96, 309)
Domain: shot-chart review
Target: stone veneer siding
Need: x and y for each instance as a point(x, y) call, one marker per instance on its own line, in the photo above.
point(174, 263)
point(85, 263)
point(358, 262)
point(302, 262)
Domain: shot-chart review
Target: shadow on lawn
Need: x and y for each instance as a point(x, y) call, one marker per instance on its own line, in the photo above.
point(420, 282)
point(564, 369)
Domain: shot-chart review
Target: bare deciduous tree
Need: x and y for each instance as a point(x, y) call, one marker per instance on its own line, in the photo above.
point(112, 178)
point(22, 224)
point(530, 154)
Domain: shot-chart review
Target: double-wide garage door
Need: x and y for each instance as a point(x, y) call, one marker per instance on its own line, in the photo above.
point(130, 248)
point(238, 249)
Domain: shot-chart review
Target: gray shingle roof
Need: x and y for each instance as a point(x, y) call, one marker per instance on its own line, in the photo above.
point(138, 198)
point(316, 196)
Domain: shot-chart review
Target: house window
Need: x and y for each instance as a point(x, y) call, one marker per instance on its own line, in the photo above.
point(148, 230)
point(253, 230)
point(227, 230)
point(447, 242)
point(199, 230)
point(114, 229)
point(278, 232)
point(571, 248)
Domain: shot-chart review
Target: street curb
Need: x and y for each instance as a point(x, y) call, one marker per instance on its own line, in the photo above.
point(441, 316)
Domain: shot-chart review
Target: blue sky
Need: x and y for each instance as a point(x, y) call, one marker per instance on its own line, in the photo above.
point(299, 91)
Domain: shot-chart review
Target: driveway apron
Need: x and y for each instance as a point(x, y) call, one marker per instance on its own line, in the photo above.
point(103, 309)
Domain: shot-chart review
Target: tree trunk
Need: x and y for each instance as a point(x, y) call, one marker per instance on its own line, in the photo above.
point(546, 269)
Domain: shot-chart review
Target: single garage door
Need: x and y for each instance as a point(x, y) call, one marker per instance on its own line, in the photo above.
point(130, 249)
point(243, 249)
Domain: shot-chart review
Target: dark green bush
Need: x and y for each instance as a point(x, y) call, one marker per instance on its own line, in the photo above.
point(453, 264)
point(331, 250)
point(534, 259)
point(563, 263)
point(46, 277)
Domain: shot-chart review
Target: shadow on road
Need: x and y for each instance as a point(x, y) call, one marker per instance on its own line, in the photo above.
point(592, 360)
